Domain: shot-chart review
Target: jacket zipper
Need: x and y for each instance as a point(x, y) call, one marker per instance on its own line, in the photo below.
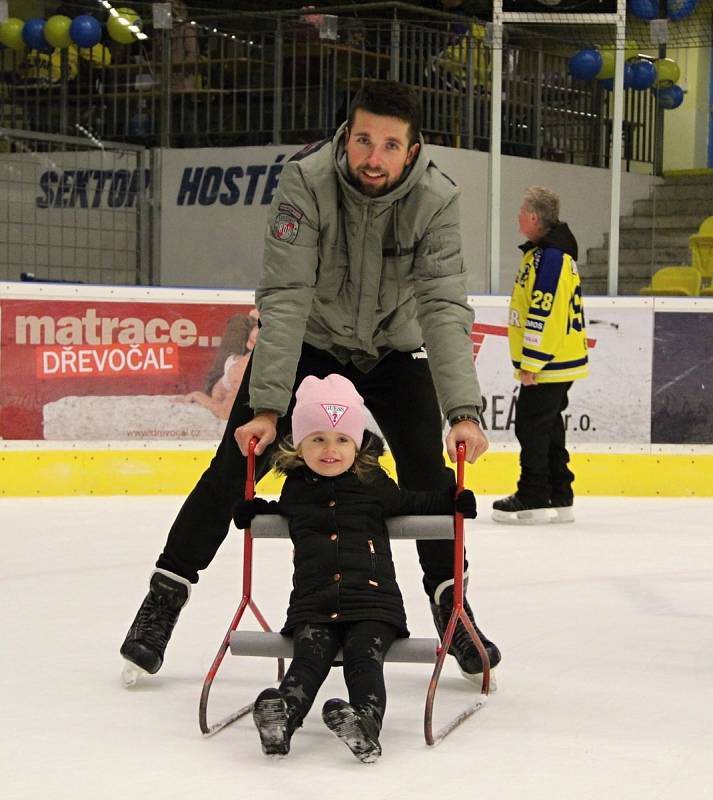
point(372, 552)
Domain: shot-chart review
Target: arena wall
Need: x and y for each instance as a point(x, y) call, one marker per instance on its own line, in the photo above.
point(107, 390)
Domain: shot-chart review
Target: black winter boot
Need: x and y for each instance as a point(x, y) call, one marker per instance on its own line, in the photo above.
point(358, 727)
point(275, 722)
point(150, 631)
point(462, 646)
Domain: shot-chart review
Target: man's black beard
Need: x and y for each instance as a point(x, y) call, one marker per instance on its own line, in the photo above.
point(369, 191)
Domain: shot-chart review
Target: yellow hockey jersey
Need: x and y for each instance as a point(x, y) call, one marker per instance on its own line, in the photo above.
point(546, 328)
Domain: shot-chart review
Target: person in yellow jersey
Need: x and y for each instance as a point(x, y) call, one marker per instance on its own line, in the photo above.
point(548, 348)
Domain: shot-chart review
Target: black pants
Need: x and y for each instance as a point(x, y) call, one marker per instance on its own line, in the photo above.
point(401, 396)
point(539, 428)
point(364, 646)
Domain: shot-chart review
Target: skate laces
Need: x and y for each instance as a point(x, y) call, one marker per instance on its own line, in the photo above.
point(156, 620)
point(461, 640)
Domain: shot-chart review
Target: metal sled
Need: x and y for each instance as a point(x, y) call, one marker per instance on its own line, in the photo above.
point(420, 650)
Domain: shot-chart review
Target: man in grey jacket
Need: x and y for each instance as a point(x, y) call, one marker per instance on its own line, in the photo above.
point(363, 276)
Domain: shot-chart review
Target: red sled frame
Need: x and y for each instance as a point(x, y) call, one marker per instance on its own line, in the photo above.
point(458, 614)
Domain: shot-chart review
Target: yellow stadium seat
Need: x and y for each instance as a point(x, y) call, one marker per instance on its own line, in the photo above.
point(701, 247)
point(674, 281)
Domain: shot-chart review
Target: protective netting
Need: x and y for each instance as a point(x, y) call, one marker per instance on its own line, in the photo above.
point(695, 30)
point(683, 23)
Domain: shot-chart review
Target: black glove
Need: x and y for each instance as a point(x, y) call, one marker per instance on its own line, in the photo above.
point(465, 504)
point(245, 511)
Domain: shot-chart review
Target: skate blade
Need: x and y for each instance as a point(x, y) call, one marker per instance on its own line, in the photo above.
point(131, 673)
point(344, 725)
point(563, 514)
point(530, 516)
point(477, 680)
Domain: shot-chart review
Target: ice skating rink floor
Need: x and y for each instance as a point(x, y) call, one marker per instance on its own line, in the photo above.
point(605, 689)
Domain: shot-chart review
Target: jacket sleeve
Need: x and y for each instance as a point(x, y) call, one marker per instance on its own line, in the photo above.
point(546, 321)
point(398, 502)
point(446, 319)
point(284, 294)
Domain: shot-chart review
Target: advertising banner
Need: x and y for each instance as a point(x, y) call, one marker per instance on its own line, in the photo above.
point(164, 368)
point(612, 405)
point(682, 400)
point(108, 370)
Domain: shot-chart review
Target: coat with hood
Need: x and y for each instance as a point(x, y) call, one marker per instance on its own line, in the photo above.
point(360, 276)
point(343, 567)
point(546, 326)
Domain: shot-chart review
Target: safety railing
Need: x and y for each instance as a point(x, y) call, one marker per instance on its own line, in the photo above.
point(288, 77)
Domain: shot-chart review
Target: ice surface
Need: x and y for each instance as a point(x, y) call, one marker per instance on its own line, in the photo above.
point(605, 689)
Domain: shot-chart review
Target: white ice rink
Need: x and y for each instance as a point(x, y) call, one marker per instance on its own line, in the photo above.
point(605, 689)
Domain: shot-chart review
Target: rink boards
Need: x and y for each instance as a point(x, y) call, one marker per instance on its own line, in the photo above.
point(39, 471)
point(98, 387)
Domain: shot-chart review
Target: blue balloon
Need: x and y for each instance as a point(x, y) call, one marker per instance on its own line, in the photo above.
point(669, 97)
point(644, 9)
point(643, 74)
point(608, 83)
point(680, 9)
point(85, 31)
point(33, 33)
point(585, 64)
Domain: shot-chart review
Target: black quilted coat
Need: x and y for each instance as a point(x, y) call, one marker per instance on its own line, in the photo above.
point(343, 568)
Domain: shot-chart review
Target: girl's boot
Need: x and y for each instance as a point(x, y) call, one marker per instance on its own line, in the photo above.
point(275, 722)
point(358, 727)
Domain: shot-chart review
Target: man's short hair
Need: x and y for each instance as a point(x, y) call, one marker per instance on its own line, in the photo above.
point(545, 204)
point(389, 99)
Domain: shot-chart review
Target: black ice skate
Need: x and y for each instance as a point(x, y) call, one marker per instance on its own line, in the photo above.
point(462, 646)
point(512, 510)
point(146, 641)
point(358, 728)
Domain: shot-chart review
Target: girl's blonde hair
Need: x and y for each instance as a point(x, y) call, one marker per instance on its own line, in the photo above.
point(288, 458)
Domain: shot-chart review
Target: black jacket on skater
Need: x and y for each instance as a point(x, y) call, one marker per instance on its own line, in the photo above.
point(343, 567)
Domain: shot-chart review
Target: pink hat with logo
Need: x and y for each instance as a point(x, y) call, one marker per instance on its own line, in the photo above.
point(332, 403)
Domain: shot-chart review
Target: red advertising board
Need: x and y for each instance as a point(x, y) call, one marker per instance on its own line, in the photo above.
point(67, 365)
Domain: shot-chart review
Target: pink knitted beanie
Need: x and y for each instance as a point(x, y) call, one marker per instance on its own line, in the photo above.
point(325, 405)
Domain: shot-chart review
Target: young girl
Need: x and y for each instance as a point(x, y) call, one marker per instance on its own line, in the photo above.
point(336, 498)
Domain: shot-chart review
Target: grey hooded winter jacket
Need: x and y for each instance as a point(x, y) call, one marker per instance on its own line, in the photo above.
point(359, 276)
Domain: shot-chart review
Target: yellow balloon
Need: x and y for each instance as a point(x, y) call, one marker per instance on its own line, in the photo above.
point(57, 31)
point(118, 26)
point(11, 33)
point(667, 72)
point(631, 49)
point(608, 54)
point(608, 62)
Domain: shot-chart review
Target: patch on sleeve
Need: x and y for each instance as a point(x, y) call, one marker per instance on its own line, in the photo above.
point(286, 223)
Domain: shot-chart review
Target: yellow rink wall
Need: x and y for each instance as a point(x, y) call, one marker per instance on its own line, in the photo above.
point(104, 472)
